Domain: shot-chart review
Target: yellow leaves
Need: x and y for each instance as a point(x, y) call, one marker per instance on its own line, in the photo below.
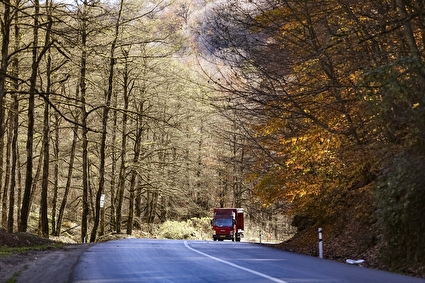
point(272, 126)
point(355, 77)
point(272, 16)
point(306, 163)
point(307, 66)
point(267, 205)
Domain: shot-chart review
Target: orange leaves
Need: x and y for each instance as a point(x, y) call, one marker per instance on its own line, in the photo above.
point(304, 163)
point(311, 57)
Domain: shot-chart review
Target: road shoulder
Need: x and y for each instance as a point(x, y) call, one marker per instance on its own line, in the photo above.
point(42, 266)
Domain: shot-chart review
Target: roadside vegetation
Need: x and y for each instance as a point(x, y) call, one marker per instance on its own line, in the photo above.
point(194, 228)
point(136, 118)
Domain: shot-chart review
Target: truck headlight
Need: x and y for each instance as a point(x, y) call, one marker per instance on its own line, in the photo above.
point(214, 232)
point(231, 233)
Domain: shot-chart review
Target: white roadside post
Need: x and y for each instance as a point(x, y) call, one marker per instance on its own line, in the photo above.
point(102, 214)
point(320, 243)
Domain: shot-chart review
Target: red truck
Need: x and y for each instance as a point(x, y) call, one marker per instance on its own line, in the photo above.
point(228, 224)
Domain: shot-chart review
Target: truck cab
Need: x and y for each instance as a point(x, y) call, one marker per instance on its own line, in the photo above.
point(227, 224)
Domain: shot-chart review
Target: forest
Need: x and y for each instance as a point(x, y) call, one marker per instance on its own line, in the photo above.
point(117, 116)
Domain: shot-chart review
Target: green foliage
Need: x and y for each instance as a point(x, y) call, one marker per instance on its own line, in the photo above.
point(394, 93)
point(194, 228)
point(401, 202)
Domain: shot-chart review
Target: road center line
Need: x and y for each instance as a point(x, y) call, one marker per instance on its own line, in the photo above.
point(235, 265)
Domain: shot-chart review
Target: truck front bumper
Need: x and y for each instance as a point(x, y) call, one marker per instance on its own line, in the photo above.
point(222, 237)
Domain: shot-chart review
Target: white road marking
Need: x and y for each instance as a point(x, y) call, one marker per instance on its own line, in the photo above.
point(235, 265)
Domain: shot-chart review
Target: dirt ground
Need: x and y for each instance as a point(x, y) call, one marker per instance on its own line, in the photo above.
point(41, 266)
point(51, 265)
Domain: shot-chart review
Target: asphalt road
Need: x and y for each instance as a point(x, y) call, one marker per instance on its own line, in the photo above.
point(141, 260)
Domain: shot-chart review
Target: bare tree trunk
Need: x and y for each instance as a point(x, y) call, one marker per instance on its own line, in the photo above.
point(5, 25)
point(139, 133)
point(19, 176)
point(85, 213)
point(45, 175)
point(237, 158)
point(36, 178)
point(104, 126)
point(138, 201)
point(5, 38)
point(130, 218)
point(121, 187)
point(151, 205)
point(4, 213)
point(84, 114)
point(14, 146)
point(26, 205)
point(46, 134)
point(112, 220)
point(15, 118)
point(69, 175)
point(134, 178)
point(3, 196)
point(123, 169)
point(56, 177)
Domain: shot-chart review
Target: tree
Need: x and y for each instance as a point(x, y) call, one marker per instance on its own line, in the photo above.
point(5, 26)
point(14, 116)
point(330, 92)
point(105, 117)
point(84, 115)
point(123, 167)
point(289, 81)
point(160, 124)
point(46, 131)
point(26, 202)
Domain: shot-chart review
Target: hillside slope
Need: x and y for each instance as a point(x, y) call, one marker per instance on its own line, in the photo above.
point(380, 222)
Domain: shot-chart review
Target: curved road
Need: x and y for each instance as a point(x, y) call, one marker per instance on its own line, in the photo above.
point(144, 260)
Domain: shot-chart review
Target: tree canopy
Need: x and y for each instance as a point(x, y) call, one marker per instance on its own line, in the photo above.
point(330, 92)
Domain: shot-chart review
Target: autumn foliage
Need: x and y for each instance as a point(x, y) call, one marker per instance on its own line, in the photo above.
point(332, 92)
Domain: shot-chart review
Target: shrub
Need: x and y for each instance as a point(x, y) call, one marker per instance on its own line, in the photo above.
point(194, 228)
point(401, 197)
point(176, 230)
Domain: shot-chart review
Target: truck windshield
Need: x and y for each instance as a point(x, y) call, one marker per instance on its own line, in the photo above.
point(223, 222)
